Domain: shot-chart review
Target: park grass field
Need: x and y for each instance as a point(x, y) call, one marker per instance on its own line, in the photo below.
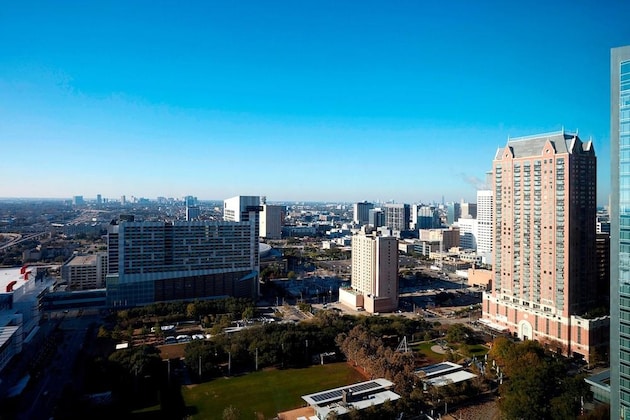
point(478, 350)
point(265, 392)
point(424, 348)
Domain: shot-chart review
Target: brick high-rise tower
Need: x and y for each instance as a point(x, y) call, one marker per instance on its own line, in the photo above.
point(544, 263)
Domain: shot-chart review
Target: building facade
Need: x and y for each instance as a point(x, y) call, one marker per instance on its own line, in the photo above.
point(85, 272)
point(620, 233)
point(468, 210)
point(361, 212)
point(424, 217)
point(376, 218)
point(484, 225)
point(164, 261)
point(468, 232)
point(374, 273)
point(544, 244)
point(192, 213)
point(397, 216)
point(453, 213)
point(271, 221)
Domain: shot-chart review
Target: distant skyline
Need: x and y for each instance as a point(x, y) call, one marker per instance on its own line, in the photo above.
point(297, 101)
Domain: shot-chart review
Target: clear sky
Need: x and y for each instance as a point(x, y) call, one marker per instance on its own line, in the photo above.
point(295, 100)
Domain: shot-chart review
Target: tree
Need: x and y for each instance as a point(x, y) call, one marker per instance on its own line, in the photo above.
point(536, 385)
point(191, 311)
point(103, 332)
point(248, 313)
point(157, 330)
point(459, 333)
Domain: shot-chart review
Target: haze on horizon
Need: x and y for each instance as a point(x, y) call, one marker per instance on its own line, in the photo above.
point(298, 102)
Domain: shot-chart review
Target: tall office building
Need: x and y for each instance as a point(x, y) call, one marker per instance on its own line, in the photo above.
point(271, 221)
point(374, 273)
point(468, 233)
point(376, 218)
point(361, 213)
point(468, 210)
point(245, 208)
point(192, 212)
point(241, 207)
point(190, 201)
point(163, 261)
point(424, 217)
point(620, 233)
point(484, 225)
point(453, 213)
point(397, 216)
point(545, 267)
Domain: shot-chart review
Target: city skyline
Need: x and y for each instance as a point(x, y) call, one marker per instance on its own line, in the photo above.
point(309, 102)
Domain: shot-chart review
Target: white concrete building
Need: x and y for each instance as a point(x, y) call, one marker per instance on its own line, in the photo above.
point(271, 221)
point(484, 225)
point(468, 233)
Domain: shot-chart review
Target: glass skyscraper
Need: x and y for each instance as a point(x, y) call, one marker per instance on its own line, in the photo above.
point(620, 234)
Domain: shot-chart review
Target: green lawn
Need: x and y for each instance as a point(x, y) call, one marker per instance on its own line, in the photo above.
point(424, 349)
point(267, 392)
point(478, 350)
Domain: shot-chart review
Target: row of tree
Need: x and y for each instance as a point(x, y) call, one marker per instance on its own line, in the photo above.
point(535, 383)
point(167, 312)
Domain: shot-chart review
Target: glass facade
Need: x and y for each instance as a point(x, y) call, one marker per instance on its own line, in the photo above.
point(620, 233)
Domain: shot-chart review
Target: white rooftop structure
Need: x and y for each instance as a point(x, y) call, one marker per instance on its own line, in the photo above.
point(10, 275)
point(444, 373)
point(439, 369)
point(451, 378)
point(357, 396)
point(492, 325)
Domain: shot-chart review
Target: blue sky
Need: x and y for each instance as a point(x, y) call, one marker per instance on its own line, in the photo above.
point(295, 100)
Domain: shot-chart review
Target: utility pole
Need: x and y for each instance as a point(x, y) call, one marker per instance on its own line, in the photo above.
point(200, 366)
point(256, 358)
point(229, 363)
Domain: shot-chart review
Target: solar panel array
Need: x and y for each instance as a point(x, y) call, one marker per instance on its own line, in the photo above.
point(430, 370)
point(336, 394)
point(364, 387)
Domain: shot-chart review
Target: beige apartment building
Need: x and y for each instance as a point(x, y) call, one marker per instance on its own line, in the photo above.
point(545, 270)
point(84, 272)
point(374, 274)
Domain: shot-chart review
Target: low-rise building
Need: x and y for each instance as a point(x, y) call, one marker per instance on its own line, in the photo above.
point(355, 397)
point(84, 272)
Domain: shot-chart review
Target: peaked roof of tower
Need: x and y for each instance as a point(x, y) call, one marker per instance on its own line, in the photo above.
point(561, 141)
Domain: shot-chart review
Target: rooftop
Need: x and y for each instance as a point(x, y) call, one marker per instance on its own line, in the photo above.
point(359, 396)
point(440, 369)
point(5, 334)
point(563, 142)
point(451, 378)
point(78, 260)
point(9, 275)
